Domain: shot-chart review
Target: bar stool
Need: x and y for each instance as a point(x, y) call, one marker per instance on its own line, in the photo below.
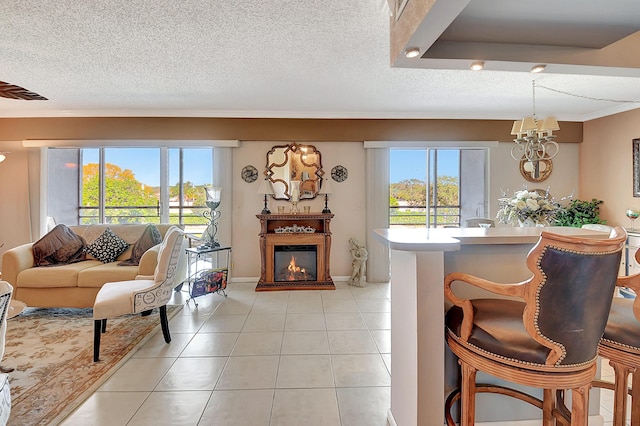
point(549, 338)
point(621, 345)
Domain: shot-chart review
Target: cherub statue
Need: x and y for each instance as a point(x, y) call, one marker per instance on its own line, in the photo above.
point(359, 263)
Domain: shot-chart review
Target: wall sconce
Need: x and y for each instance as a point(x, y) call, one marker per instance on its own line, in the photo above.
point(3, 156)
point(326, 190)
point(266, 189)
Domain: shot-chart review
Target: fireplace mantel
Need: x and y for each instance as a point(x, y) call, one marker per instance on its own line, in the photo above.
point(278, 230)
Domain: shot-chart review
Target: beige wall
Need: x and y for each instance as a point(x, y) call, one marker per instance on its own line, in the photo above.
point(347, 203)
point(339, 141)
point(606, 164)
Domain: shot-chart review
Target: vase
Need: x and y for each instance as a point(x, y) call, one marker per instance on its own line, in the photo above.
point(527, 223)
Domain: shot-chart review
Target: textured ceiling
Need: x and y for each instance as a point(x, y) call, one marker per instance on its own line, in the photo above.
point(270, 58)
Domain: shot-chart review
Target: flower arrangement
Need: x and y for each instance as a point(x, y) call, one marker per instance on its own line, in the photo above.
point(528, 208)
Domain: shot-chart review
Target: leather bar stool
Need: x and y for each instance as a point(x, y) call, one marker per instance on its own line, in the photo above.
point(621, 345)
point(546, 334)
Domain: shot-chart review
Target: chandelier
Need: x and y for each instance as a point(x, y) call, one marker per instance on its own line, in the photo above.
point(534, 138)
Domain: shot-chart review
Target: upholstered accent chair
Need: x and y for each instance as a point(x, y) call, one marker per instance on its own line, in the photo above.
point(544, 332)
point(5, 392)
point(140, 296)
point(621, 345)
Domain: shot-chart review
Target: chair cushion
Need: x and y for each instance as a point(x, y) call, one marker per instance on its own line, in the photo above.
point(107, 247)
point(54, 276)
point(116, 298)
point(623, 329)
point(104, 272)
point(498, 329)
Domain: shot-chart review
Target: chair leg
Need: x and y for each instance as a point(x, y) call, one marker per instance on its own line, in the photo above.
point(97, 330)
point(468, 395)
point(621, 374)
point(635, 398)
point(103, 327)
point(580, 405)
point(548, 404)
point(146, 313)
point(164, 322)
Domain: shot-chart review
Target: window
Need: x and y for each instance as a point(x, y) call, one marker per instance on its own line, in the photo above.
point(436, 187)
point(129, 185)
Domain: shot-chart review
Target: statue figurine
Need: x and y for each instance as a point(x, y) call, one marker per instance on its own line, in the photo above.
point(359, 263)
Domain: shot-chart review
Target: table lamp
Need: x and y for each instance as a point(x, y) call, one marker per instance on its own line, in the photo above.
point(266, 189)
point(326, 190)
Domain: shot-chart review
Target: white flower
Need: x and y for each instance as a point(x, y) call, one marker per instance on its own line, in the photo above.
point(532, 204)
point(528, 205)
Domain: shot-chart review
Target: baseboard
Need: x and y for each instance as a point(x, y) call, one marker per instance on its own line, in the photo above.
point(596, 420)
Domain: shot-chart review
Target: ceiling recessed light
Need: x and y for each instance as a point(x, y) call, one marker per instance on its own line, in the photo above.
point(412, 52)
point(538, 68)
point(477, 66)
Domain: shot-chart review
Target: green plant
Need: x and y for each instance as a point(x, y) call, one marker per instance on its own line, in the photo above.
point(580, 212)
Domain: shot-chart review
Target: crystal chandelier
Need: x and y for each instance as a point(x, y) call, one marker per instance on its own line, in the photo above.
point(534, 138)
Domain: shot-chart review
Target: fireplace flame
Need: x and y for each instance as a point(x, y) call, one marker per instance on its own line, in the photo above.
point(294, 271)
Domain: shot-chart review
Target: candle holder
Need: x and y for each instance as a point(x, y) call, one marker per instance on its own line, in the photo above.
point(213, 202)
point(295, 196)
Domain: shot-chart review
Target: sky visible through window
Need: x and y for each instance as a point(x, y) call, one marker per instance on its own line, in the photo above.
point(197, 163)
point(412, 164)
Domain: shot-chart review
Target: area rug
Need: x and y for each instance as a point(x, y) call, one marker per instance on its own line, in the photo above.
point(52, 353)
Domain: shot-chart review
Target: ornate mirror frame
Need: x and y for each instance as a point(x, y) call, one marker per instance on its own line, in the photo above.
point(536, 171)
point(294, 163)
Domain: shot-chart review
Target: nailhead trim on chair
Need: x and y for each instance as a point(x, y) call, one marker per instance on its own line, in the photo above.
point(515, 360)
point(624, 345)
point(543, 282)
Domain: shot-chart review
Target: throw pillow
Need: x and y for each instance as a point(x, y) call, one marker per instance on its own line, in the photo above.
point(107, 247)
point(60, 245)
point(149, 238)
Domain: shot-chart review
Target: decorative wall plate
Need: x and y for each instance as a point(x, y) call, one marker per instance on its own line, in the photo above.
point(339, 173)
point(249, 174)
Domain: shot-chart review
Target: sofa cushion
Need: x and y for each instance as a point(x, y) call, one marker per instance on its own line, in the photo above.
point(106, 272)
point(60, 245)
point(107, 247)
point(54, 276)
point(149, 238)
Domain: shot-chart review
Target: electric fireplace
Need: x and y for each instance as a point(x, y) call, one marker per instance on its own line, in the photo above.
point(295, 263)
point(295, 252)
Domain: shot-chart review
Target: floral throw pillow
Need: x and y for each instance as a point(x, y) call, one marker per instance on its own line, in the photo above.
point(107, 247)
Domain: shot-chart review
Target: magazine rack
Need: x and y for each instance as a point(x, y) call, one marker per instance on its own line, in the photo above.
point(208, 271)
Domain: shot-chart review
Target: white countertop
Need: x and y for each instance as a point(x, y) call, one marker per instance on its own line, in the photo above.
point(450, 239)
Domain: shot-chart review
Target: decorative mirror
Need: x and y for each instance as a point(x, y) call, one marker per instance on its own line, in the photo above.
point(535, 171)
point(295, 170)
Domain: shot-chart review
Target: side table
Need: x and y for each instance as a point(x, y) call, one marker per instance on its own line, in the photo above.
point(203, 258)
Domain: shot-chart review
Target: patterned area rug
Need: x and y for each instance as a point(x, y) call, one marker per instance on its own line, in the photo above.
point(52, 353)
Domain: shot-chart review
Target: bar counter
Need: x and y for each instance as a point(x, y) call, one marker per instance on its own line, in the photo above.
point(423, 370)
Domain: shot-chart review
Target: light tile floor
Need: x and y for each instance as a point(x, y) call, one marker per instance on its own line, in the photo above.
point(258, 358)
point(266, 358)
